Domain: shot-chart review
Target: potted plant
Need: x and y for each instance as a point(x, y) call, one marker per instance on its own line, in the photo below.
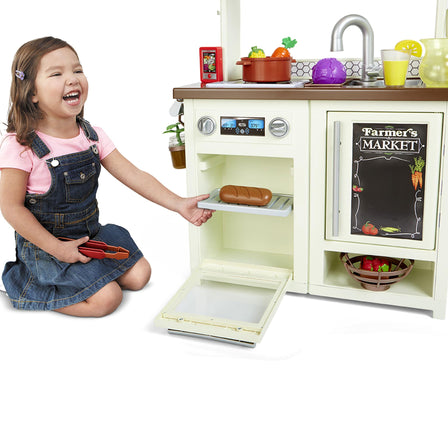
point(177, 144)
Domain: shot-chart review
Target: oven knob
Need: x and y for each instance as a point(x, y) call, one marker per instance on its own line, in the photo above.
point(206, 125)
point(278, 127)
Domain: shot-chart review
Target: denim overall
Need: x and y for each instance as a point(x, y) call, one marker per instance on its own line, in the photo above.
point(39, 281)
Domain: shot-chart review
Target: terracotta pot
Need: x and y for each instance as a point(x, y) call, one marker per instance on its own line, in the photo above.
point(266, 69)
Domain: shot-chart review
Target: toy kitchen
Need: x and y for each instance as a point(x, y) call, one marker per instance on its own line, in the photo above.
point(355, 172)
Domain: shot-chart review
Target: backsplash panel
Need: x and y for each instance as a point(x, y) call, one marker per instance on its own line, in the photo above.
point(303, 69)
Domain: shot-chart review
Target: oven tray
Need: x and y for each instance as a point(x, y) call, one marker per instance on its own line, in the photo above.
point(279, 205)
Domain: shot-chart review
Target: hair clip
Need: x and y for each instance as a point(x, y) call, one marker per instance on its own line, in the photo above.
point(20, 75)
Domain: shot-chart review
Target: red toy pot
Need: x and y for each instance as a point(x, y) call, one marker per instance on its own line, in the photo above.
point(266, 69)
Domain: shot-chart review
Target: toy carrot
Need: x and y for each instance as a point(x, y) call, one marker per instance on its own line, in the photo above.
point(283, 52)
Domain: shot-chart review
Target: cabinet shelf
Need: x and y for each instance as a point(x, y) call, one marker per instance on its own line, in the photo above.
point(415, 291)
point(260, 258)
point(378, 250)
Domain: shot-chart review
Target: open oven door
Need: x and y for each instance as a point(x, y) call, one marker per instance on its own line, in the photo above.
point(230, 302)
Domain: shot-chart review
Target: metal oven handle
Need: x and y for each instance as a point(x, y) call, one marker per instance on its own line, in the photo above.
point(336, 160)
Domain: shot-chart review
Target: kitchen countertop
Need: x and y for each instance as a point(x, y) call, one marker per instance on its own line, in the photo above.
point(338, 92)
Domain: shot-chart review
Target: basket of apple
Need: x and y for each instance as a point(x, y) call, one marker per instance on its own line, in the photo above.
point(376, 273)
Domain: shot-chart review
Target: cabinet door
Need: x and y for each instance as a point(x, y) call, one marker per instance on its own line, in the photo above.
point(383, 177)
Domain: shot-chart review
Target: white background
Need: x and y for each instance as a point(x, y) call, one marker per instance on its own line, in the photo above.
point(328, 373)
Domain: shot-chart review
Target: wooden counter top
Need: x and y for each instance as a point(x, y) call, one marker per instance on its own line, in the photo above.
point(336, 93)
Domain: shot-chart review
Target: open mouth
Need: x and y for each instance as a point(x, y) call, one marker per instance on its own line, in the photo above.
point(72, 97)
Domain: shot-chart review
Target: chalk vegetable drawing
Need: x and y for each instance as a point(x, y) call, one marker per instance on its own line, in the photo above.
point(417, 175)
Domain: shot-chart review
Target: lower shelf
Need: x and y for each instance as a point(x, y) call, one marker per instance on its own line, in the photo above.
point(419, 282)
point(415, 291)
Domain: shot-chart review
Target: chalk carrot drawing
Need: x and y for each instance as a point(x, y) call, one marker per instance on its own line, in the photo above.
point(416, 170)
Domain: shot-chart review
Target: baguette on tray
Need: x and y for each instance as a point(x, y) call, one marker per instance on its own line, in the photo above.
point(237, 194)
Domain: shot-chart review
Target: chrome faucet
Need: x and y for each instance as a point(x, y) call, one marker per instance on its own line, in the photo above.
point(369, 72)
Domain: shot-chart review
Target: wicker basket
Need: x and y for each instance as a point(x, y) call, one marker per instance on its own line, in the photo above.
point(376, 281)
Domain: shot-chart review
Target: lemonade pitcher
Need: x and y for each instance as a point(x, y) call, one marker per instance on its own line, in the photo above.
point(434, 65)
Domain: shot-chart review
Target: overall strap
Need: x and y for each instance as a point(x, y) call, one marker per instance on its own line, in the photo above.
point(88, 130)
point(40, 148)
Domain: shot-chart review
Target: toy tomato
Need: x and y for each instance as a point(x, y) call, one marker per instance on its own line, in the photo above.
point(375, 264)
point(367, 263)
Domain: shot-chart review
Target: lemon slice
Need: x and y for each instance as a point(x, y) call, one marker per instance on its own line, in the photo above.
point(413, 45)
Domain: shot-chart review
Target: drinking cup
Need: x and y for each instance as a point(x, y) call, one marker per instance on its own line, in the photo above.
point(395, 66)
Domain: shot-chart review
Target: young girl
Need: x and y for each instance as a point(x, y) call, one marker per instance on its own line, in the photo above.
point(50, 161)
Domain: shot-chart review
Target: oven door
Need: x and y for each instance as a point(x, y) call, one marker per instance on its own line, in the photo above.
point(230, 302)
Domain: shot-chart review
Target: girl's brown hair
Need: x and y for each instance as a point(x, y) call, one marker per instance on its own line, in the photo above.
point(23, 114)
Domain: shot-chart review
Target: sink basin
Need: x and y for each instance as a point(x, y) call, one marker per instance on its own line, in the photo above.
point(357, 83)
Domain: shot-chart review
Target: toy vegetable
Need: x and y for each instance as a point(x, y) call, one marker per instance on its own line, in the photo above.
point(283, 52)
point(375, 264)
point(256, 53)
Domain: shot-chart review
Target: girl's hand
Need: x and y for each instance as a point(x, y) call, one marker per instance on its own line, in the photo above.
point(192, 213)
point(68, 252)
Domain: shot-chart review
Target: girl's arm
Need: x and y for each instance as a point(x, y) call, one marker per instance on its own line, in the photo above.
point(12, 198)
point(150, 188)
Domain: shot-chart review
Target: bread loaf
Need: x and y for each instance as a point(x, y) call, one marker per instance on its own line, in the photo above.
point(237, 194)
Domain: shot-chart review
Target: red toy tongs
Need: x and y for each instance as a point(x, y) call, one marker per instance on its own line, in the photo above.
point(100, 250)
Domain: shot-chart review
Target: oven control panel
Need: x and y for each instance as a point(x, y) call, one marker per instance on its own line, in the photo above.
point(250, 126)
point(243, 126)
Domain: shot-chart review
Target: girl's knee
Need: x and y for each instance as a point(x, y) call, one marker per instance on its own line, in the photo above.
point(137, 277)
point(102, 303)
point(106, 300)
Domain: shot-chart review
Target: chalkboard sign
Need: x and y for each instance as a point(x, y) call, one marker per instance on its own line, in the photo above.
point(388, 179)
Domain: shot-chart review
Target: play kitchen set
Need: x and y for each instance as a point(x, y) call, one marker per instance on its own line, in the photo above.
point(347, 182)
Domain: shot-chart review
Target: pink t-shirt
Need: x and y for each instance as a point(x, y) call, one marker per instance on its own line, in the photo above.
point(14, 155)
